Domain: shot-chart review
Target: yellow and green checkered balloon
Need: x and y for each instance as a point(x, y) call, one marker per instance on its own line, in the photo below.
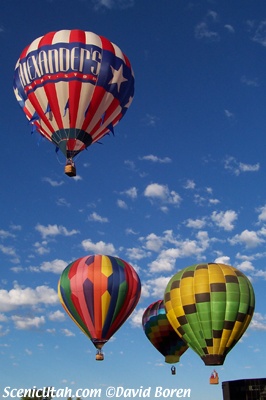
point(210, 307)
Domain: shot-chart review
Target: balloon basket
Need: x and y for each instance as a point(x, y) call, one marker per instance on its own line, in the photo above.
point(173, 370)
point(70, 170)
point(214, 378)
point(99, 356)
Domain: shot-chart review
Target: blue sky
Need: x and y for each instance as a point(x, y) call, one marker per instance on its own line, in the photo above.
point(181, 182)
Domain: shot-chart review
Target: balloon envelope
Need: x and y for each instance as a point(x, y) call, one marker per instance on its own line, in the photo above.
point(161, 334)
point(74, 87)
point(99, 293)
point(210, 306)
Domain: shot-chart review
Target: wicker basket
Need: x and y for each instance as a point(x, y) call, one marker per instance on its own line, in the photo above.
point(70, 170)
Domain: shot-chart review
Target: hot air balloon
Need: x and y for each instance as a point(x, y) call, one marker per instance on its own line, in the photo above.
point(99, 293)
point(74, 87)
point(161, 334)
point(210, 306)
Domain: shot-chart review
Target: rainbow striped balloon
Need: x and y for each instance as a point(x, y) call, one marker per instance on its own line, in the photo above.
point(99, 293)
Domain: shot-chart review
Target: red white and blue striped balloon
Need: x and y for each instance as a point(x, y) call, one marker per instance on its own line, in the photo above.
point(74, 86)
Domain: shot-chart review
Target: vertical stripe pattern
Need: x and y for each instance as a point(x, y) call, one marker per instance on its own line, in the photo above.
point(99, 293)
point(74, 87)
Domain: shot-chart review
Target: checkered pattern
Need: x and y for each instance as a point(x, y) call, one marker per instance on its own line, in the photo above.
point(210, 306)
point(161, 334)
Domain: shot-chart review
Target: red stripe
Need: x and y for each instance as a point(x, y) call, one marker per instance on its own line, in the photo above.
point(130, 301)
point(97, 97)
point(113, 106)
point(47, 39)
point(75, 86)
point(106, 44)
point(50, 89)
point(34, 101)
point(77, 35)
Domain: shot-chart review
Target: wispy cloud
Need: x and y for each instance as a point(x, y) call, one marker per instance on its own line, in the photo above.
point(260, 34)
point(97, 218)
point(156, 159)
point(249, 82)
point(54, 230)
point(53, 182)
point(112, 4)
point(204, 29)
point(236, 167)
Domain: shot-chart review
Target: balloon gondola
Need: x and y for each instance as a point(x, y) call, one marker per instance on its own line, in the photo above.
point(214, 378)
point(99, 293)
point(74, 87)
point(210, 307)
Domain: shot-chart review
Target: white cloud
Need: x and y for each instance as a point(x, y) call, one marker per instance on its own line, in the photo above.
point(182, 248)
point(3, 332)
point(5, 234)
point(155, 287)
point(54, 230)
point(222, 260)
point(97, 218)
point(157, 159)
point(56, 316)
point(20, 297)
point(7, 250)
point(229, 28)
point(62, 202)
point(258, 322)
point(162, 192)
point(231, 164)
point(228, 114)
point(248, 238)
point(224, 219)
point(136, 253)
point(41, 248)
point(249, 167)
point(136, 318)
point(246, 266)
point(99, 247)
point(25, 323)
point(250, 82)
point(131, 192)
point(67, 332)
point(190, 184)
point(260, 34)
point(262, 215)
point(196, 223)
point(121, 204)
point(150, 120)
point(56, 266)
point(112, 4)
point(202, 31)
point(52, 182)
point(260, 273)
point(153, 242)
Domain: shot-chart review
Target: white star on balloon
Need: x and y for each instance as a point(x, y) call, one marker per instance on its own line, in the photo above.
point(118, 77)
